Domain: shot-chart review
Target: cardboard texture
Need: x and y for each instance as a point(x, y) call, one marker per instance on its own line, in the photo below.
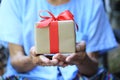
point(66, 38)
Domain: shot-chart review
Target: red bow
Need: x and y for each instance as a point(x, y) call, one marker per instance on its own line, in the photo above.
point(66, 15)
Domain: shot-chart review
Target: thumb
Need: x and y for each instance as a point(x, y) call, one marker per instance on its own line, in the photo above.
point(81, 46)
point(44, 59)
point(33, 51)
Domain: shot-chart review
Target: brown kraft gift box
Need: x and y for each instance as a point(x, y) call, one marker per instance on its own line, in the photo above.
point(66, 38)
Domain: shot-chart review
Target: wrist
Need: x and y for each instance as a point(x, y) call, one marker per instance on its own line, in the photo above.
point(22, 63)
point(87, 67)
point(90, 76)
point(32, 60)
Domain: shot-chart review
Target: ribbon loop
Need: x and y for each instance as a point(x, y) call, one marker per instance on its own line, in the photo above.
point(66, 15)
point(46, 17)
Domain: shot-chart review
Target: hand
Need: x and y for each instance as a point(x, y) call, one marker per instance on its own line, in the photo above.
point(80, 55)
point(41, 59)
point(86, 63)
point(74, 58)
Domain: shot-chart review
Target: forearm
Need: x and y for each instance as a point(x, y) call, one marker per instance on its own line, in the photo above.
point(88, 67)
point(19, 61)
point(22, 63)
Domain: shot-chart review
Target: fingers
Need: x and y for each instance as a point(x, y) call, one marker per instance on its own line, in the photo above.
point(69, 58)
point(73, 59)
point(61, 59)
point(54, 62)
point(81, 46)
point(44, 59)
point(57, 60)
point(41, 60)
point(76, 58)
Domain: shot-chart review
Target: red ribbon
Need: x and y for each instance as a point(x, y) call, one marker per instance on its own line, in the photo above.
point(52, 22)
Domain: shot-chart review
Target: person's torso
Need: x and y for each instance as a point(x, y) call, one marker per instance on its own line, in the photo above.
point(30, 15)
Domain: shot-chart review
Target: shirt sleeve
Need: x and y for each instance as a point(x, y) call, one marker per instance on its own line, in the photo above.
point(11, 21)
point(100, 34)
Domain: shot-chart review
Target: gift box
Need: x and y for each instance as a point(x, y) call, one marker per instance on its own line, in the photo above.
point(55, 35)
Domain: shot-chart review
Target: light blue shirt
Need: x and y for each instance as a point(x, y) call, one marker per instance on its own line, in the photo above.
point(17, 19)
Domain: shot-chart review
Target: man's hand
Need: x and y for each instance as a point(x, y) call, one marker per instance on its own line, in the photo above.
point(74, 58)
point(86, 63)
point(41, 60)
